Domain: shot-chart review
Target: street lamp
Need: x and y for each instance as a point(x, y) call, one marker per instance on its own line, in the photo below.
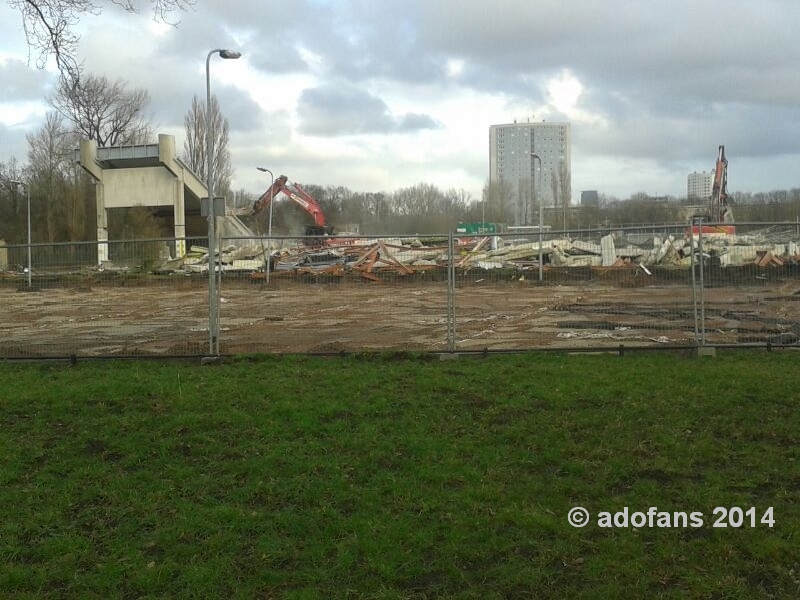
point(213, 320)
point(269, 227)
point(28, 190)
point(536, 156)
point(483, 207)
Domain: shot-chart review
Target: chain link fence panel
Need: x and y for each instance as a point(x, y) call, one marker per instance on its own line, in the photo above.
point(664, 286)
point(333, 294)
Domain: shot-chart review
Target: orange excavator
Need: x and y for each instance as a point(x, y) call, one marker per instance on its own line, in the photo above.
point(720, 211)
point(298, 195)
point(720, 216)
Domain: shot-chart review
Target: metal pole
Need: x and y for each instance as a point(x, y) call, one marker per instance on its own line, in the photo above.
point(541, 220)
point(269, 226)
point(269, 232)
point(702, 286)
point(16, 184)
point(541, 253)
point(213, 309)
point(451, 294)
point(30, 269)
point(212, 264)
point(694, 282)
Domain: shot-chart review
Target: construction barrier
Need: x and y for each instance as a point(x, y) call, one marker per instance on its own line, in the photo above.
point(680, 285)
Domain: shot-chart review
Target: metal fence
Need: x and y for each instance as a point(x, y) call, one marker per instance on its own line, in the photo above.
point(669, 286)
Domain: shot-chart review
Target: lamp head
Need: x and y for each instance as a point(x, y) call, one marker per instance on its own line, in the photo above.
point(230, 54)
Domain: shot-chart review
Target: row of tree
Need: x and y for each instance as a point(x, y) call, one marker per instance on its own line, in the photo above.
point(426, 209)
point(62, 202)
point(63, 197)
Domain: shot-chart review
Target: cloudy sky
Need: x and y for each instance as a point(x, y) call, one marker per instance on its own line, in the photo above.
point(377, 95)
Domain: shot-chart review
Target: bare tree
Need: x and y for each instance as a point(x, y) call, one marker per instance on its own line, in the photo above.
point(462, 196)
point(525, 208)
point(51, 169)
point(194, 145)
point(104, 111)
point(61, 194)
point(555, 189)
point(498, 196)
point(371, 210)
point(49, 26)
point(12, 202)
point(565, 184)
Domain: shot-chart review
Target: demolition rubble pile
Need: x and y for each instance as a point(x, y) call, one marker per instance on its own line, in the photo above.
point(369, 258)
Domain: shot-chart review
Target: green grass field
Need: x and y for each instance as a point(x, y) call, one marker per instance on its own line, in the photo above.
point(400, 477)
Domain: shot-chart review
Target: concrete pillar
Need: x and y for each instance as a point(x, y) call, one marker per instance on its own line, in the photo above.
point(166, 154)
point(102, 224)
point(180, 225)
point(179, 217)
point(609, 253)
point(88, 160)
point(3, 256)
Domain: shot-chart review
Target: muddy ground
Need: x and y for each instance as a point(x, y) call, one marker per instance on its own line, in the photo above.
point(169, 316)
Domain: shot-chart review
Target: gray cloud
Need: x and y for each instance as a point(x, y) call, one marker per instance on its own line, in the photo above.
point(332, 110)
point(416, 121)
point(13, 145)
point(22, 82)
point(663, 83)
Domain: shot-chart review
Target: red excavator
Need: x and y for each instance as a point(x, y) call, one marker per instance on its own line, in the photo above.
point(720, 215)
point(301, 197)
point(720, 211)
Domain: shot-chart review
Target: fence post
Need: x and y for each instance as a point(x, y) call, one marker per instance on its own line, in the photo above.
point(217, 276)
point(699, 321)
point(702, 287)
point(451, 294)
point(694, 281)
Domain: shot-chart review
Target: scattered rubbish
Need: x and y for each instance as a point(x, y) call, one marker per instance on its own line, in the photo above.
point(378, 258)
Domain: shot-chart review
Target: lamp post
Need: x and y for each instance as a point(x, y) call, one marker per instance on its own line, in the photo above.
point(28, 191)
point(536, 157)
point(269, 227)
point(213, 319)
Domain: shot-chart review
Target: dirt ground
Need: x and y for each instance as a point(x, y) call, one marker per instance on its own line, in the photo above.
point(170, 317)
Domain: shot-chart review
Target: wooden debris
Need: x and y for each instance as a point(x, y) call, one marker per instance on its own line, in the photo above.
point(767, 259)
point(376, 259)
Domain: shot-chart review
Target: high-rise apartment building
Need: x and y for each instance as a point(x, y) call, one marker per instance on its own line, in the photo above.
point(512, 162)
point(698, 185)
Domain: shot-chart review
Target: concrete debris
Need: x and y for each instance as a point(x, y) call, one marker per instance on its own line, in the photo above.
point(607, 250)
point(371, 258)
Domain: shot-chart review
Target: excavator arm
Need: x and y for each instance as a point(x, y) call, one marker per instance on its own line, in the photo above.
point(295, 193)
point(306, 200)
point(719, 189)
point(267, 197)
point(719, 217)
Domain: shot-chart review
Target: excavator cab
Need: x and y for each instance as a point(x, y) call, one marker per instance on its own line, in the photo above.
point(316, 234)
point(320, 230)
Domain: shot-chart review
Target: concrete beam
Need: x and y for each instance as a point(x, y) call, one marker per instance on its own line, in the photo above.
point(168, 157)
point(88, 159)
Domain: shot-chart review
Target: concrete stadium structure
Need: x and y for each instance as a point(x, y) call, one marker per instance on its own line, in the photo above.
point(148, 175)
